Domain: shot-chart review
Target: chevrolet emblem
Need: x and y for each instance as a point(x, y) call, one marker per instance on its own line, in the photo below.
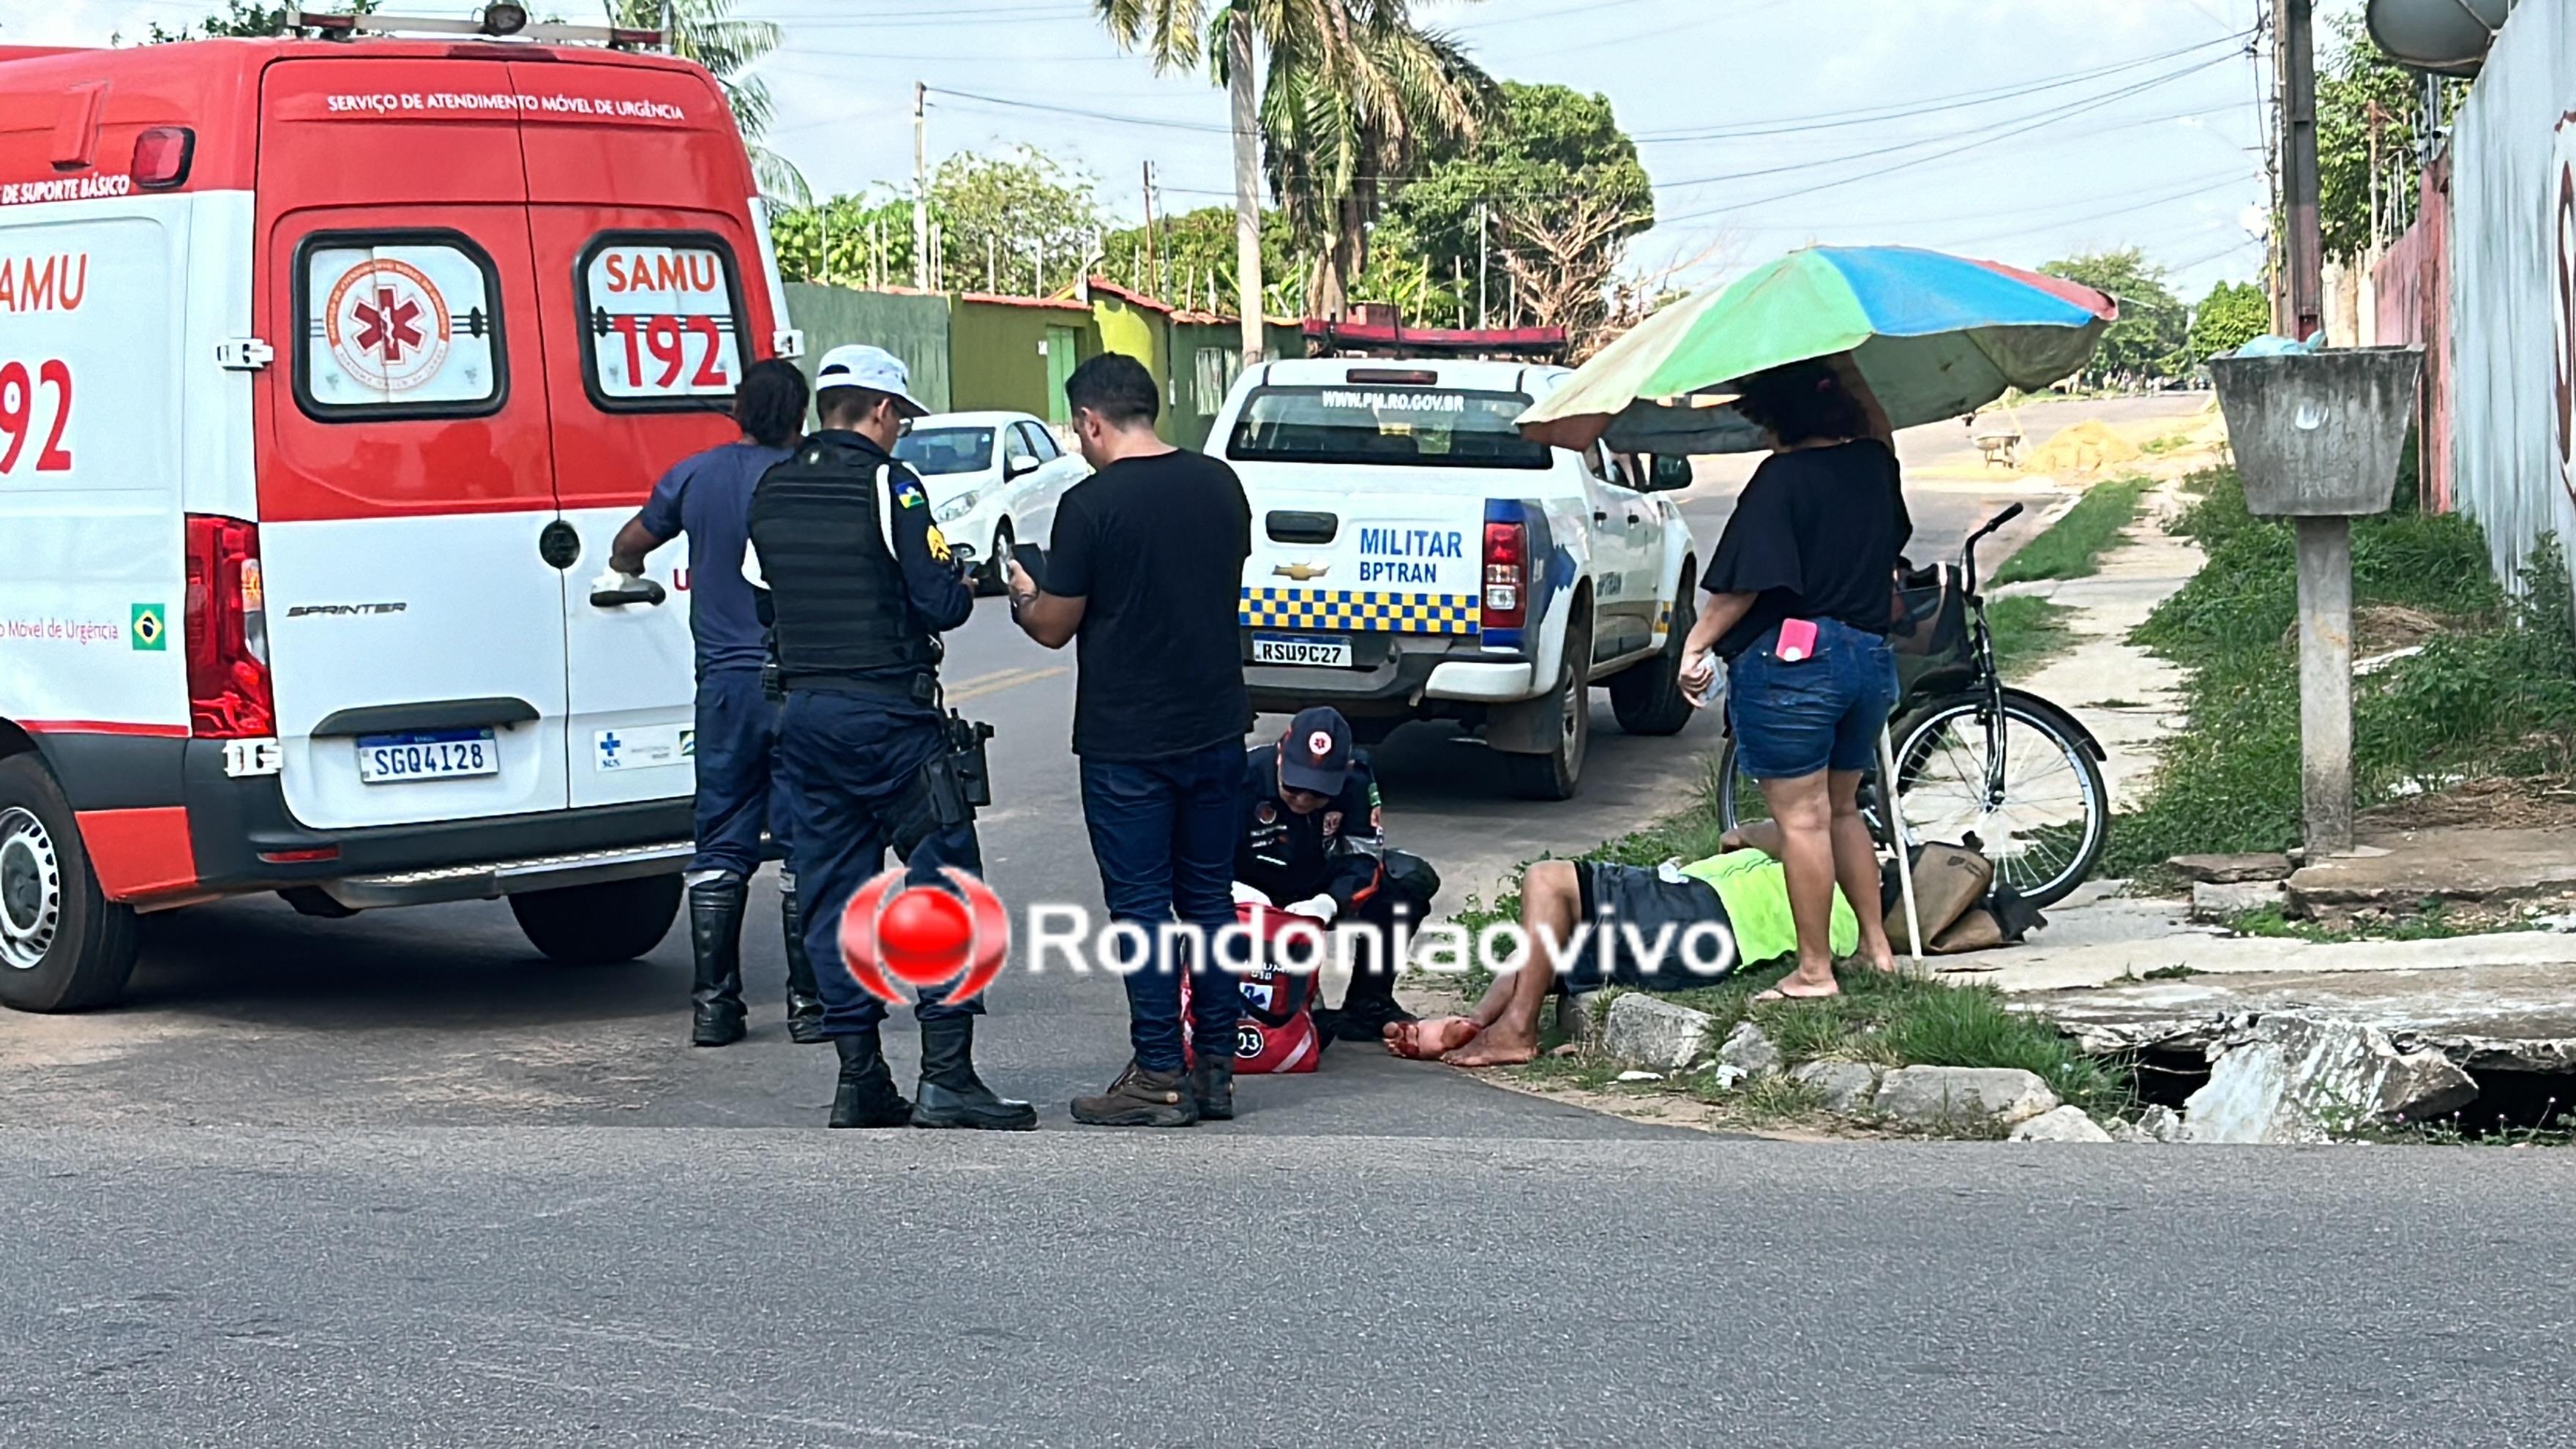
point(1300, 572)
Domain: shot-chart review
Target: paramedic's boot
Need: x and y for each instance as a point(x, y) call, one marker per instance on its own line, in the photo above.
point(951, 1095)
point(804, 1004)
point(1368, 1007)
point(1140, 1098)
point(866, 1096)
point(1212, 1087)
point(715, 939)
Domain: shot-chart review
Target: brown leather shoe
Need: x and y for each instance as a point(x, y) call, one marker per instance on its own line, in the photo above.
point(1140, 1098)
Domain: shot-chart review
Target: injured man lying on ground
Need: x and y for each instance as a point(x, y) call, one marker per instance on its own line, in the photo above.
point(1621, 913)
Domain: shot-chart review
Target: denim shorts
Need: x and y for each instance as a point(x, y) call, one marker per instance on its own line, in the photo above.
point(1820, 713)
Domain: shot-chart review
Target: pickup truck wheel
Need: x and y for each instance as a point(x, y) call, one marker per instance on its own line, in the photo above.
point(1558, 773)
point(63, 944)
point(1648, 698)
point(593, 925)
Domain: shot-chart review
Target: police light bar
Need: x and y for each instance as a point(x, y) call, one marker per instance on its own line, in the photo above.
point(498, 19)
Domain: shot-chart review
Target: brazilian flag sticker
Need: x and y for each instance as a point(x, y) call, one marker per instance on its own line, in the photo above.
point(149, 628)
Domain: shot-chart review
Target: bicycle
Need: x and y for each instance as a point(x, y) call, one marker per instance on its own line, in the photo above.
point(1977, 760)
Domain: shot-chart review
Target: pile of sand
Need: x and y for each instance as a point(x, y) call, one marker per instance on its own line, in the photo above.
point(2087, 447)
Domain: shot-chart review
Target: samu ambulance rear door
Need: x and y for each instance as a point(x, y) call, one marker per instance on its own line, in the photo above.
point(409, 528)
point(638, 194)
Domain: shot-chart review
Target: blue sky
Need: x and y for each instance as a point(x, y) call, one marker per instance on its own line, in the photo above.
point(2016, 129)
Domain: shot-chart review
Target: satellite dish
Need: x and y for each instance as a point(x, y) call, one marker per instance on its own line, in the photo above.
point(2449, 37)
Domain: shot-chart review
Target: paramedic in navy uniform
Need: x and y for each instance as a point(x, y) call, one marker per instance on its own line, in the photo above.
point(708, 497)
point(860, 585)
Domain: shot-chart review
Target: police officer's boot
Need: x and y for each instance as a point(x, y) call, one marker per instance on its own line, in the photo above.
point(804, 1003)
point(951, 1095)
point(715, 939)
point(866, 1096)
point(1212, 1083)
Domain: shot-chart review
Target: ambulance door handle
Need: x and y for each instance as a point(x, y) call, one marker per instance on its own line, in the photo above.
point(1601, 515)
point(633, 591)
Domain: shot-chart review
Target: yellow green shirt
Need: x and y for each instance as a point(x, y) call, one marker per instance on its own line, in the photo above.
point(1754, 888)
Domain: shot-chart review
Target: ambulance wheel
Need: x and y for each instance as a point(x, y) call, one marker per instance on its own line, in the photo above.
point(593, 925)
point(1648, 697)
point(63, 944)
point(1558, 773)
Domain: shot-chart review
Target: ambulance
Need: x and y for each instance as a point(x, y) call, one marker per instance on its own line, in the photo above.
point(328, 369)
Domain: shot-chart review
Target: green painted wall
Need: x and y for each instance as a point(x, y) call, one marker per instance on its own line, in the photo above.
point(914, 328)
point(1145, 335)
point(1199, 380)
point(998, 357)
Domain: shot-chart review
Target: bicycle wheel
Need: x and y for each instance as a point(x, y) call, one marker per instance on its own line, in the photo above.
point(1739, 795)
point(2042, 817)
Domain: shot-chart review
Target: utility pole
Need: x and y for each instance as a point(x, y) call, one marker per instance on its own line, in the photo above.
point(920, 186)
point(670, 42)
point(1145, 276)
point(1245, 112)
point(1484, 257)
point(992, 263)
point(2306, 242)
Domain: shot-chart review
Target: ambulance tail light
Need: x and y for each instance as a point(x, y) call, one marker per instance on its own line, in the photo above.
point(1506, 601)
point(161, 157)
point(227, 632)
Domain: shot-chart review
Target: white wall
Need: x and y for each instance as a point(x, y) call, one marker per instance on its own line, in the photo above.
point(2511, 309)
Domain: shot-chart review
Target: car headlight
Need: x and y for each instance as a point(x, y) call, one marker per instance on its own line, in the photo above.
point(956, 508)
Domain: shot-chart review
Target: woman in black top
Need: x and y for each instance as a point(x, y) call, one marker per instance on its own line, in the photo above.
point(1801, 596)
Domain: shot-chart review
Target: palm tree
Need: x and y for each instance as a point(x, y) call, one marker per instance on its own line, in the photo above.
point(706, 31)
point(1355, 93)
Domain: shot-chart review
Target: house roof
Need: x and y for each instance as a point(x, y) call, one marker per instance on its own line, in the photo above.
point(1054, 304)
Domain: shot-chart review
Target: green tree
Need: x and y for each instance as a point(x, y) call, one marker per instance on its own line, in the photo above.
point(999, 216)
point(1553, 191)
point(1354, 94)
point(2149, 338)
point(1193, 248)
point(2368, 108)
point(240, 19)
point(2233, 314)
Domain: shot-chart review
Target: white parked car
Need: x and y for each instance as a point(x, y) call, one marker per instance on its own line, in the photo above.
point(994, 479)
point(1413, 557)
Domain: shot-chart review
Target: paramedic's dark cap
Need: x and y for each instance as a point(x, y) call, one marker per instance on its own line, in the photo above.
point(873, 368)
point(1315, 754)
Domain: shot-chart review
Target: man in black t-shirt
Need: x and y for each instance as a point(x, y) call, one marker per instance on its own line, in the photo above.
point(1145, 576)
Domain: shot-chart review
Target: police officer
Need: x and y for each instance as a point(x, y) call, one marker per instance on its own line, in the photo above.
point(860, 586)
point(708, 497)
point(1313, 841)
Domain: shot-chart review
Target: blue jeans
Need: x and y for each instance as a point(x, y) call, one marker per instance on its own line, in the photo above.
point(851, 767)
point(1164, 834)
point(739, 791)
point(1819, 713)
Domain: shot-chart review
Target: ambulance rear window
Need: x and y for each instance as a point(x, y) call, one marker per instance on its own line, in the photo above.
point(662, 317)
point(398, 324)
point(1384, 426)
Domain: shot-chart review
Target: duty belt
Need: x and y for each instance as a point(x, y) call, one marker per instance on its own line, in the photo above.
point(920, 689)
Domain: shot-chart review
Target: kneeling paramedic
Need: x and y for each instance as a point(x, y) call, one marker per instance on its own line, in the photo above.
point(860, 585)
point(708, 496)
point(1312, 840)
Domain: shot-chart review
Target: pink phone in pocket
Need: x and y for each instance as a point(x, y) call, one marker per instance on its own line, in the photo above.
point(1797, 641)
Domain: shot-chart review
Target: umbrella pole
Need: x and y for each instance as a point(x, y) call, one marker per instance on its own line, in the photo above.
point(1904, 856)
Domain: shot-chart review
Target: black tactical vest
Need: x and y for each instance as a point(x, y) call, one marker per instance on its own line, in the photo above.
point(835, 587)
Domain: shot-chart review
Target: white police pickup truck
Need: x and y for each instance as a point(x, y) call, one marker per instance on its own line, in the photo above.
point(1414, 557)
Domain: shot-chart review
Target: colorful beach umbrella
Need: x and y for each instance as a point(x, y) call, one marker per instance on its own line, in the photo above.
point(1934, 335)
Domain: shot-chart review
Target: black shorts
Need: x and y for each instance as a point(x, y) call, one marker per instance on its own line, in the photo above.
point(1616, 896)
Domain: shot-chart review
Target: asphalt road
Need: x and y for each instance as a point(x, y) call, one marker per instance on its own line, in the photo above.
point(586, 1287)
point(245, 1013)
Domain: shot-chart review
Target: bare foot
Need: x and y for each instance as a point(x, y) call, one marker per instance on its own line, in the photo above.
point(1792, 988)
point(1495, 1048)
point(1425, 1041)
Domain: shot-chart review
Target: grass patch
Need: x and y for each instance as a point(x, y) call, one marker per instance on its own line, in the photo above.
point(2493, 694)
point(2433, 922)
point(2072, 547)
point(2028, 632)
